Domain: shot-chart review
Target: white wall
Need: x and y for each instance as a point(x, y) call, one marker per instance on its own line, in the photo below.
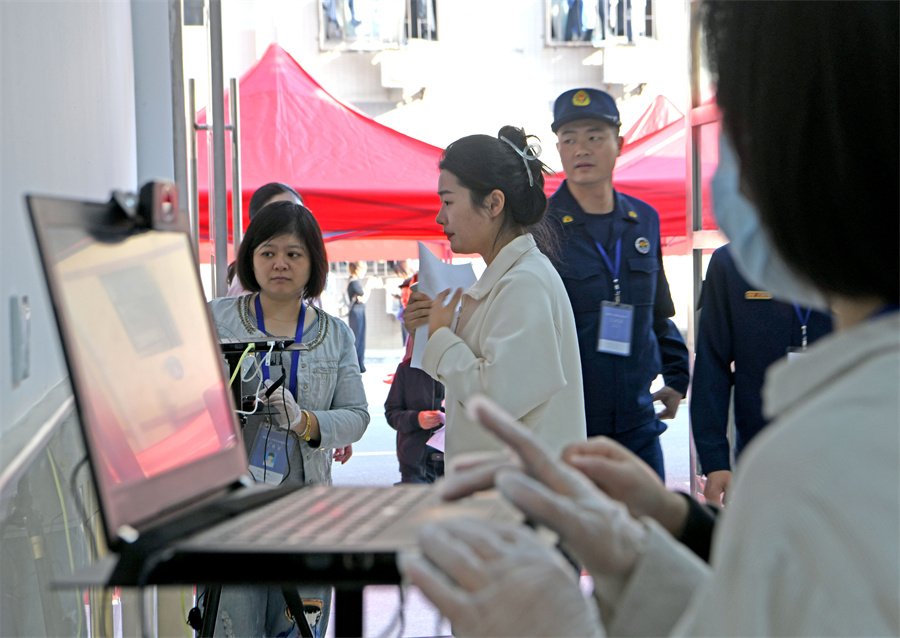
point(68, 128)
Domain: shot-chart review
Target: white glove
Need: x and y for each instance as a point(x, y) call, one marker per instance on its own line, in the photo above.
point(591, 526)
point(283, 406)
point(499, 580)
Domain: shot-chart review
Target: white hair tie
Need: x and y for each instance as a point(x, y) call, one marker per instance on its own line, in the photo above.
point(534, 147)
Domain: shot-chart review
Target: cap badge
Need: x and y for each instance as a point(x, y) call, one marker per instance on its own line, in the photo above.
point(568, 219)
point(642, 245)
point(581, 98)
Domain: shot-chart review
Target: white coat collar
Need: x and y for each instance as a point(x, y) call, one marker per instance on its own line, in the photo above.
point(505, 259)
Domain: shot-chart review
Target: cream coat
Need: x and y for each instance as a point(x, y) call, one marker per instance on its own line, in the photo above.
point(518, 346)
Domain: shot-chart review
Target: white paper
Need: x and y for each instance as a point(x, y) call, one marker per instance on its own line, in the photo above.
point(437, 440)
point(435, 276)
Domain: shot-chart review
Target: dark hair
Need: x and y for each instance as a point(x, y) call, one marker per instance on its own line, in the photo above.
point(275, 220)
point(482, 164)
point(266, 192)
point(809, 96)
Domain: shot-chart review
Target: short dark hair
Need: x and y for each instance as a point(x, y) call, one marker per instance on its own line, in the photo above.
point(266, 192)
point(275, 220)
point(809, 96)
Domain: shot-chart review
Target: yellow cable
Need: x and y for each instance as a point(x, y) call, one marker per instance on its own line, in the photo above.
point(237, 368)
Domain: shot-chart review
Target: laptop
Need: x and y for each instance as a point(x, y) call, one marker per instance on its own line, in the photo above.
point(177, 502)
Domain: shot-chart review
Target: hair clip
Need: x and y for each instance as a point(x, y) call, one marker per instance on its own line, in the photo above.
point(534, 147)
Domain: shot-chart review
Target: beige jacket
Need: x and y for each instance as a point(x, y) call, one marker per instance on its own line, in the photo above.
point(518, 346)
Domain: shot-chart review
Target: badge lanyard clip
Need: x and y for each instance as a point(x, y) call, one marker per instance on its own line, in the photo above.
point(295, 355)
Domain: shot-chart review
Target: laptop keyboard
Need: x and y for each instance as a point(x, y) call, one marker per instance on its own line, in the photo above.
point(321, 516)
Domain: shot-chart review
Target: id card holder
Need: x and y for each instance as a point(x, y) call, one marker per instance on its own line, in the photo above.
point(269, 459)
point(616, 320)
point(794, 353)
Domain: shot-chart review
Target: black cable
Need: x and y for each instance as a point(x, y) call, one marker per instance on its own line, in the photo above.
point(287, 434)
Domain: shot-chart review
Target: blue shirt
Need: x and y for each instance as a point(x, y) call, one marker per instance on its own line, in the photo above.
point(744, 326)
point(617, 389)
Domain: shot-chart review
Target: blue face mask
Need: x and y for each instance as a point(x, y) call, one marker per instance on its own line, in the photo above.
point(751, 247)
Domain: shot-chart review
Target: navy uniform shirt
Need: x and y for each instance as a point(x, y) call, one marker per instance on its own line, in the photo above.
point(742, 325)
point(617, 389)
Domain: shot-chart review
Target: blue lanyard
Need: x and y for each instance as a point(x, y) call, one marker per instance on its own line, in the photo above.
point(295, 355)
point(804, 320)
point(613, 271)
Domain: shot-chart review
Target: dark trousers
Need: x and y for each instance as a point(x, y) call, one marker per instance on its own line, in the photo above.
point(644, 441)
point(357, 321)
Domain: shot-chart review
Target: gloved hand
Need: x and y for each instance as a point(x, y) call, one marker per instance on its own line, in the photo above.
point(499, 580)
point(621, 474)
point(285, 410)
point(591, 526)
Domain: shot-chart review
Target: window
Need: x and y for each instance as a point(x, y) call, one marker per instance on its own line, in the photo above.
point(599, 22)
point(366, 25)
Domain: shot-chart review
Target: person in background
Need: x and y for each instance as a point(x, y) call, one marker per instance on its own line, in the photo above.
point(612, 268)
point(395, 285)
point(265, 194)
point(741, 332)
point(515, 334)
point(358, 294)
point(414, 407)
point(808, 543)
point(262, 196)
point(322, 403)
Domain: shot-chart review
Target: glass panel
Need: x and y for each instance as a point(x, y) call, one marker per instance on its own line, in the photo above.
point(598, 22)
point(370, 25)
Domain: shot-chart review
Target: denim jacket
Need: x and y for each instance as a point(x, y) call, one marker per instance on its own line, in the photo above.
point(329, 383)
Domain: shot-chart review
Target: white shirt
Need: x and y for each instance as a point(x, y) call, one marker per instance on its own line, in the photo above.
point(810, 541)
point(518, 346)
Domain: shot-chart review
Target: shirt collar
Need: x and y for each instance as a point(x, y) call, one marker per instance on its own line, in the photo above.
point(505, 259)
point(571, 212)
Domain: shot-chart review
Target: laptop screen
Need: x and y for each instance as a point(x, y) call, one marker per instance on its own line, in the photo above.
point(143, 359)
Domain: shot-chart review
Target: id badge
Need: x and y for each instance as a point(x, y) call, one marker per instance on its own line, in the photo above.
point(616, 320)
point(269, 459)
point(794, 353)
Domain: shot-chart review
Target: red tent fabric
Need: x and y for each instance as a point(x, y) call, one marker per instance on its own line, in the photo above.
point(364, 180)
point(359, 178)
point(660, 113)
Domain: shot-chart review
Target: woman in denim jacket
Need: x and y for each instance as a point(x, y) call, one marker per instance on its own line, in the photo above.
point(322, 402)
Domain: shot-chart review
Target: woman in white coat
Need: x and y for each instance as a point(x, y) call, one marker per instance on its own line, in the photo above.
point(514, 338)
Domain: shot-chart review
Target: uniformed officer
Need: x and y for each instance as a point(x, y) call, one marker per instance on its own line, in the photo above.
point(611, 264)
point(745, 328)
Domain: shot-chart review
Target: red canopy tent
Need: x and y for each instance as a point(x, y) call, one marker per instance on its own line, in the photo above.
point(376, 186)
point(360, 178)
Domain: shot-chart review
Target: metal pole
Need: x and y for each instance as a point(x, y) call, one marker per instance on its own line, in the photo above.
point(218, 203)
point(194, 198)
point(694, 208)
point(237, 209)
point(179, 124)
